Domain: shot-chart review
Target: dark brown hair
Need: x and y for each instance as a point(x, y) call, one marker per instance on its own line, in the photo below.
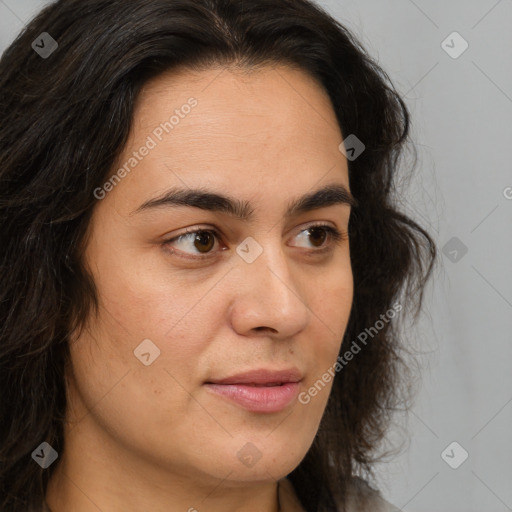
point(65, 120)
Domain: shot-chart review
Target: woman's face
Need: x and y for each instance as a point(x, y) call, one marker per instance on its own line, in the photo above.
point(247, 294)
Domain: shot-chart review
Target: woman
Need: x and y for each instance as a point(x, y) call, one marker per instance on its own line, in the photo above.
point(176, 334)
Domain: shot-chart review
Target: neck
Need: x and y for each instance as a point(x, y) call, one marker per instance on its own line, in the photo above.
point(92, 476)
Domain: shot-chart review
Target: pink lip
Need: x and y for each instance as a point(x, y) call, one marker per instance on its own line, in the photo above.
point(258, 398)
point(262, 390)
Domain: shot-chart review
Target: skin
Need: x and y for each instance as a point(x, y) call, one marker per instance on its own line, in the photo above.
point(152, 437)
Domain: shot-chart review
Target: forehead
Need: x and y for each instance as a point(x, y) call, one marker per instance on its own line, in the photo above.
point(259, 105)
point(272, 130)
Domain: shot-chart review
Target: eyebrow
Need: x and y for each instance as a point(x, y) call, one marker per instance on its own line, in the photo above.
point(242, 210)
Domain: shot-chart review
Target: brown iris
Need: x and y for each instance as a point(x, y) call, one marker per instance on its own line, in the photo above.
point(203, 237)
point(313, 237)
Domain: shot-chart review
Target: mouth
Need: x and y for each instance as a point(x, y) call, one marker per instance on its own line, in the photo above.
point(260, 391)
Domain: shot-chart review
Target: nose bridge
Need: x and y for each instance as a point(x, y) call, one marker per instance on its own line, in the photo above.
point(268, 294)
point(267, 264)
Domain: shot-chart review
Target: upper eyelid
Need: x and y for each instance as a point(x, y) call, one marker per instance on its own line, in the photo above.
point(218, 233)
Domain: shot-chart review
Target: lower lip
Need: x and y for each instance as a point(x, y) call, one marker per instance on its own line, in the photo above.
point(258, 398)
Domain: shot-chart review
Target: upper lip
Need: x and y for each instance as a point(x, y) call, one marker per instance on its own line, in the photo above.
point(262, 376)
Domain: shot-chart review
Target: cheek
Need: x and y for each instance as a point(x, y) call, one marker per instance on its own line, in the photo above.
point(136, 404)
point(142, 320)
point(147, 295)
point(331, 306)
point(141, 301)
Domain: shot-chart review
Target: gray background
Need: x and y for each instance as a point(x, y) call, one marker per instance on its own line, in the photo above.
point(462, 113)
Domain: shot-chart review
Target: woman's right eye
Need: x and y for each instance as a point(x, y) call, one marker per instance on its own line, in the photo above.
point(202, 239)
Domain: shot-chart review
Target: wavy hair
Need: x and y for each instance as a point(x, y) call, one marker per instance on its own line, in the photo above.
point(64, 121)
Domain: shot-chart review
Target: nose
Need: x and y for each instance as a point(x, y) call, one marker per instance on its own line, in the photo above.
point(268, 294)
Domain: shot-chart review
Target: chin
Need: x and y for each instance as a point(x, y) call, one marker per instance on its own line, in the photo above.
point(259, 460)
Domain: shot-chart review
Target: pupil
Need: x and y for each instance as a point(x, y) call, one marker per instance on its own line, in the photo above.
point(202, 238)
point(317, 230)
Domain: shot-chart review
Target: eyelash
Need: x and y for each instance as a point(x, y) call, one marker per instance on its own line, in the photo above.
point(336, 237)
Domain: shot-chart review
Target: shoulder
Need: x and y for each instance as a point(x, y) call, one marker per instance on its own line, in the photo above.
point(363, 498)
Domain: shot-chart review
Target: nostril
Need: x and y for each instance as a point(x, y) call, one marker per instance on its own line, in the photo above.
point(265, 328)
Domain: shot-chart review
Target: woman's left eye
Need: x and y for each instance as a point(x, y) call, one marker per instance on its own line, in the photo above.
point(203, 240)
